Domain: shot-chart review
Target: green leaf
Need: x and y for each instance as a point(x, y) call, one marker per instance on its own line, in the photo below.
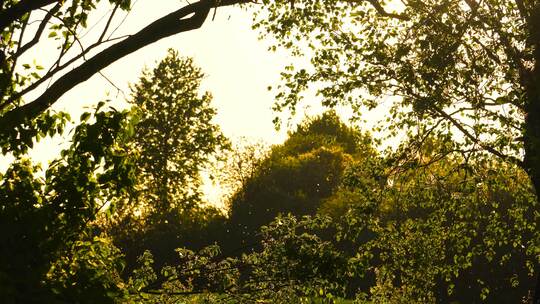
point(85, 116)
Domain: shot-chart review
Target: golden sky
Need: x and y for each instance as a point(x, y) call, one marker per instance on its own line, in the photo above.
point(238, 66)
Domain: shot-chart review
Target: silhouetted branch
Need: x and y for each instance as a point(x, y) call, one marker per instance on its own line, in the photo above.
point(16, 11)
point(187, 18)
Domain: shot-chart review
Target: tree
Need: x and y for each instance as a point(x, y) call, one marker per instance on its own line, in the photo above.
point(454, 230)
point(174, 139)
point(239, 165)
point(176, 136)
point(468, 68)
point(62, 22)
point(298, 175)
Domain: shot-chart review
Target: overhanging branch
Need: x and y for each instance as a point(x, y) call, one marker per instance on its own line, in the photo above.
point(166, 26)
point(19, 9)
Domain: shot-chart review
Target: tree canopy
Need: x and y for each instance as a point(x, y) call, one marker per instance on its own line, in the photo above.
point(297, 175)
point(468, 71)
point(464, 67)
point(175, 135)
point(450, 215)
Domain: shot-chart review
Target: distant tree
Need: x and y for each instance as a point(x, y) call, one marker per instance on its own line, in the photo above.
point(239, 165)
point(297, 175)
point(174, 139)
point(326, 130)
point(175, 136)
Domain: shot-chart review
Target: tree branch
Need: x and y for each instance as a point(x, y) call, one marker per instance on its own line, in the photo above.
point(39, 32)
point(108, 24)
point(476, 140)
point(56, 67)
point(166, 26)
point(12, 13)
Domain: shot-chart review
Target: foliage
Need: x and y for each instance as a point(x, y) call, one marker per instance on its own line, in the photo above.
point(297, 175)
point(441, 220)
point(451, 230)
point(42, 216)
point(294, 264)
point(31, 26)
point(175, 136)
point(448, 232)
point(466, 72)
point(92, 268)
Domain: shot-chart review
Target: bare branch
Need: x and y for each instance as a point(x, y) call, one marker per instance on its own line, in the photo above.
point(111, 17)
point(39, 32)
point(175, 22)
point(57, 67)
point(19, 9)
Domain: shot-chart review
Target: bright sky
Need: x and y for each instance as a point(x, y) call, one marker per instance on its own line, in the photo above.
point(238, 66)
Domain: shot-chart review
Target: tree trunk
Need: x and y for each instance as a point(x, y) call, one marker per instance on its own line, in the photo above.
point(532, 138)
point(531, 82)
point(532, 157)
point(532, 161)
point(532, 147)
